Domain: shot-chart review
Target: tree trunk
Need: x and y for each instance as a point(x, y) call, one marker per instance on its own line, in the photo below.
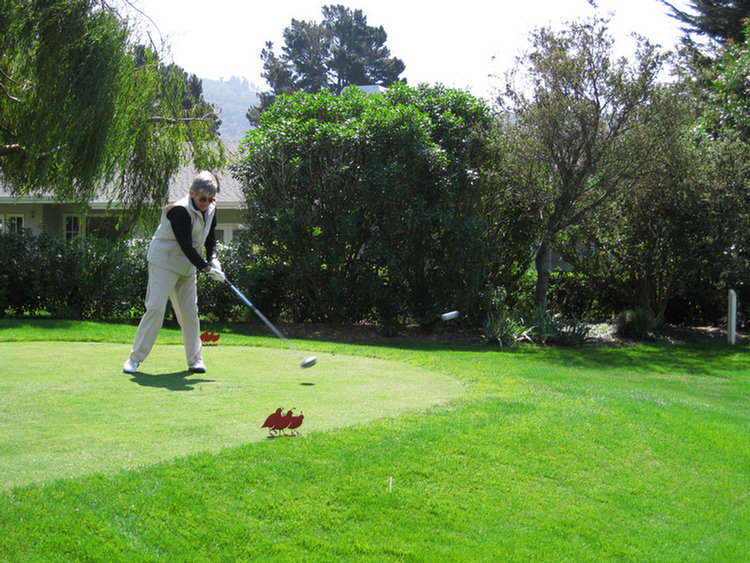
point(542, 261)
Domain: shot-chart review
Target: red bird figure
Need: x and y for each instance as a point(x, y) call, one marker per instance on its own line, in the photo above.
point(283, 422)
point(296, 423)
point(209, 338)
point(271, 422)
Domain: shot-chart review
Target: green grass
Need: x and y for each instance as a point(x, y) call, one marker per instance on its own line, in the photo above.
point(600, 454)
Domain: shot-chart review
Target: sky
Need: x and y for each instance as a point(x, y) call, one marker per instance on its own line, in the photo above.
point(468, 44)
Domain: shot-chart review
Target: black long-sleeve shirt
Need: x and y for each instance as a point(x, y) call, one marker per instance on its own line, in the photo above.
point(183, 231)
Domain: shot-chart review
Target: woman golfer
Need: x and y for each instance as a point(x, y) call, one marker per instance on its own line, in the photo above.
point(186, 226)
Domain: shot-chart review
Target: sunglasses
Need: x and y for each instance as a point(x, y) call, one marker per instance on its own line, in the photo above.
point(205, 199)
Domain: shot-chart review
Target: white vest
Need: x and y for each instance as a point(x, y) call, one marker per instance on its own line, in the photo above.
point(165, 251)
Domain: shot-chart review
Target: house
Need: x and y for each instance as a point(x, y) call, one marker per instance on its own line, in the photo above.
point(102, 216)
point(371, 89)
point(46, 212)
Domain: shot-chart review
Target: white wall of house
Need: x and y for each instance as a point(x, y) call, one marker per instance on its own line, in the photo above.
point(27, 215)
point(69, 221)
point(39, 212)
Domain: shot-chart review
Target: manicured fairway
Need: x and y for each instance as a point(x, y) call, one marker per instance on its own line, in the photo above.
point(410, 452)
point(74, 412)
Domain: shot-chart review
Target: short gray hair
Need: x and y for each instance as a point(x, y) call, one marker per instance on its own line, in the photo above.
point(205, 183)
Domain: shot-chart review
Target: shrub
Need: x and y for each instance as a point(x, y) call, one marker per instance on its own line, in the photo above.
point(375, 207)
point(638, 323)
point(541, 326)
point(18, 277)
point(593, 294)
point(262, 283)
point(85, 278)
point(94, 278)
point(571, 332)
point(90, 278)
point(547, 328)
point(504, 329)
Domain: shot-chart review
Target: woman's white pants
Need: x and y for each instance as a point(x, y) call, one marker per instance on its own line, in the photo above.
point(164, 284)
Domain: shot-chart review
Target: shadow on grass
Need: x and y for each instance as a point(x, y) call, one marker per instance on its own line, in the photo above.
point(705, 359)
point(178, 381)
point(712, 357)
point(705, 356)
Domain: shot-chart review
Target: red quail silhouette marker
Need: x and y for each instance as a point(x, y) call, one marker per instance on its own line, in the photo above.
point(272, 421)
point(283, 422)
point(209, 338)
point(296, 423)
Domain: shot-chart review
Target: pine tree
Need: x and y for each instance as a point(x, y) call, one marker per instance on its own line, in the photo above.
point(339, 51)
point(719, 20)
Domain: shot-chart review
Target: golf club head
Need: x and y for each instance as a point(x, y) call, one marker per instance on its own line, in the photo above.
point(309, 362)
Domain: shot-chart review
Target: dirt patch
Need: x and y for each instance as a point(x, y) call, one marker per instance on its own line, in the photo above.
point(364, 333)
point(602, 334)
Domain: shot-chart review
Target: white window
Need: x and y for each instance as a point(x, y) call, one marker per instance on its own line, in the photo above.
point(14, 223)
point(224, 232)
point(72, 226)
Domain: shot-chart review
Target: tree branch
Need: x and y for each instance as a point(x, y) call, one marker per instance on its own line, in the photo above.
point(15, 148)
point(175, 120)
point(7, 150)
point(8, 95)
point(5, 75)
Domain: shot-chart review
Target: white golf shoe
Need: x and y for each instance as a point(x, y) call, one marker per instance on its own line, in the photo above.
point(130, 366)
point(198, 367)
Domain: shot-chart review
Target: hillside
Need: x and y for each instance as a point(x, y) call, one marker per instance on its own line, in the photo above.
point(233, 98)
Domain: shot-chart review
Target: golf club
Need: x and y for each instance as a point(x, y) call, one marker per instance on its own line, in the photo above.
point(306, 362)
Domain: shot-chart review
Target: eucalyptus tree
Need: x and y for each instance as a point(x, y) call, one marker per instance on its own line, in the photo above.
point(676, 239)
point(572, 105)
point(83, 106)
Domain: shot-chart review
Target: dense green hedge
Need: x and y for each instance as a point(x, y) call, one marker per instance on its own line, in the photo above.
point(375, 208)
point(91, 278)
point(85, 278)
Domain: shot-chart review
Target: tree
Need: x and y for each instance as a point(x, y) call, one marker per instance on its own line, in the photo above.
point(340, 51)
point(648, 243)
point(676, 239)
point(357, 51)
point(719, 20)
point(373, 207)
point(726, 125)
point(728, 102)
point(571, 132)
point(82, 106)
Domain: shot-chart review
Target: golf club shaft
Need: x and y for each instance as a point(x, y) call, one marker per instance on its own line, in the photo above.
point(262, 317)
